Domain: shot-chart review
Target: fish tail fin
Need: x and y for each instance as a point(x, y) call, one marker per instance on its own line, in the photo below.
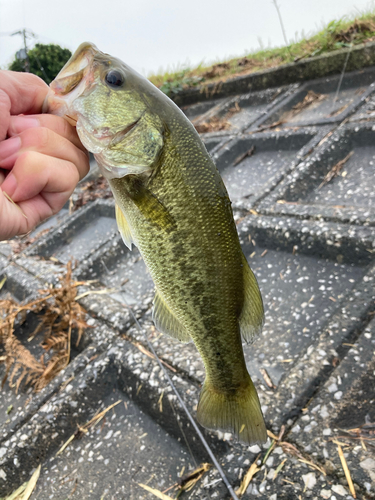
point(240, 413)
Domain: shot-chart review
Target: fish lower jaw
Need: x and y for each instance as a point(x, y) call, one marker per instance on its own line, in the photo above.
point(118, 171)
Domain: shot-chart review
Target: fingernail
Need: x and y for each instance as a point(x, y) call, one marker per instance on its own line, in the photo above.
point(9, 147)
point(20, 123)
point(9, 185)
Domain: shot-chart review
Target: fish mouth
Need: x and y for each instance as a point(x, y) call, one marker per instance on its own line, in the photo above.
point(74, 70)
point(74, 78)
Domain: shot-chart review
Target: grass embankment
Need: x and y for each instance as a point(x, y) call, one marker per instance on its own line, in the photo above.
point(336, 35)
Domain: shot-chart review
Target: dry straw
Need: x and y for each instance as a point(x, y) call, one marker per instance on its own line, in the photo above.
point(59, 316)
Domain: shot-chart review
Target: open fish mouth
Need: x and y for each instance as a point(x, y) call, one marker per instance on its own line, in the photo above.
point(77, 78)
point(74, 78)
point(75, 70)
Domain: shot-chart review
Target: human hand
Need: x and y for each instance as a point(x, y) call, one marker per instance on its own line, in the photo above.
point(42, 159)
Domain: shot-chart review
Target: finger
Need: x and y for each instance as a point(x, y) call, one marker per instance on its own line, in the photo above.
point(57, 124)
point(26, 91)
point(36, 174)
point(12, 220)
point(5, 105)
point(23, 217)
point(45, 141)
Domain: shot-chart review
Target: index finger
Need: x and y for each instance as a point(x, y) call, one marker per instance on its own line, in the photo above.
point(26, 91)
point(19, 93)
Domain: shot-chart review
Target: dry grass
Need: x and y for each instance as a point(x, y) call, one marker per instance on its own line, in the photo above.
point(59, 314)
point(335, 170)
point(185, 483)
point(310, 98)
point(25, 490)
point(90, 191)
point(216, 124)
point(21, 243)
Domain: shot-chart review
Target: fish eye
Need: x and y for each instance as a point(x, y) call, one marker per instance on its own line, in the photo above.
point(114, 79)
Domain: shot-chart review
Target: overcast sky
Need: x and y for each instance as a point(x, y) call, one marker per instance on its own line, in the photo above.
point(166, 34)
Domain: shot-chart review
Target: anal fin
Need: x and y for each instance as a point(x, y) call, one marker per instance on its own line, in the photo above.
point(166, 322)
point(124, 228)
point(252, 315)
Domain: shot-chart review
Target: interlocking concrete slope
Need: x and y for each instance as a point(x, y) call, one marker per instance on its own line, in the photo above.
point(299, 165)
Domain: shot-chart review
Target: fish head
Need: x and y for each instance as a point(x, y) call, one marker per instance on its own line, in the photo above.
point(111, 106)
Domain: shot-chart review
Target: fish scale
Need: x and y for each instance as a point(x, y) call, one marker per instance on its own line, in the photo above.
point(173, 205)
point(171, 257)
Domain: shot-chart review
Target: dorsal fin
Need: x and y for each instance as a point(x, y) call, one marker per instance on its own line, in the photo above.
point(124, 228)
point(252, 315)
point(166, 322)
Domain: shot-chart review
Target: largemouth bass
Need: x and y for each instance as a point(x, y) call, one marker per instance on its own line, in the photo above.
point(172, 204)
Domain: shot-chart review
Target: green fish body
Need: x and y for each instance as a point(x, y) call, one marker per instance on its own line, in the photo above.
point(172, 204)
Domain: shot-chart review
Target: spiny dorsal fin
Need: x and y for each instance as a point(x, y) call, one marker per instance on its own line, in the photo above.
point(124, 228)
point(252, 315)
point(166, 322)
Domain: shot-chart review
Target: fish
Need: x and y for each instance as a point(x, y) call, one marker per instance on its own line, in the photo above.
point(172, 204)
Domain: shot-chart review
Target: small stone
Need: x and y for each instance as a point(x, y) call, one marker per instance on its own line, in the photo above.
point(267, 444)
point(271, 474)
point(309, 480)
point(254, 449)
point(367, 486)
point(339, 489)
point(332, 388)
point(252, 490)
point(325, 494)
point(324, 412)
point(262, 486)
point(108, 435)
point(368, 464)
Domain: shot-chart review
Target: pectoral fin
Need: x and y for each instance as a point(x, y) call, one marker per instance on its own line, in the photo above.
point(153, 209)
point(166, 322)
point(252, 315)
point(124, 228)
